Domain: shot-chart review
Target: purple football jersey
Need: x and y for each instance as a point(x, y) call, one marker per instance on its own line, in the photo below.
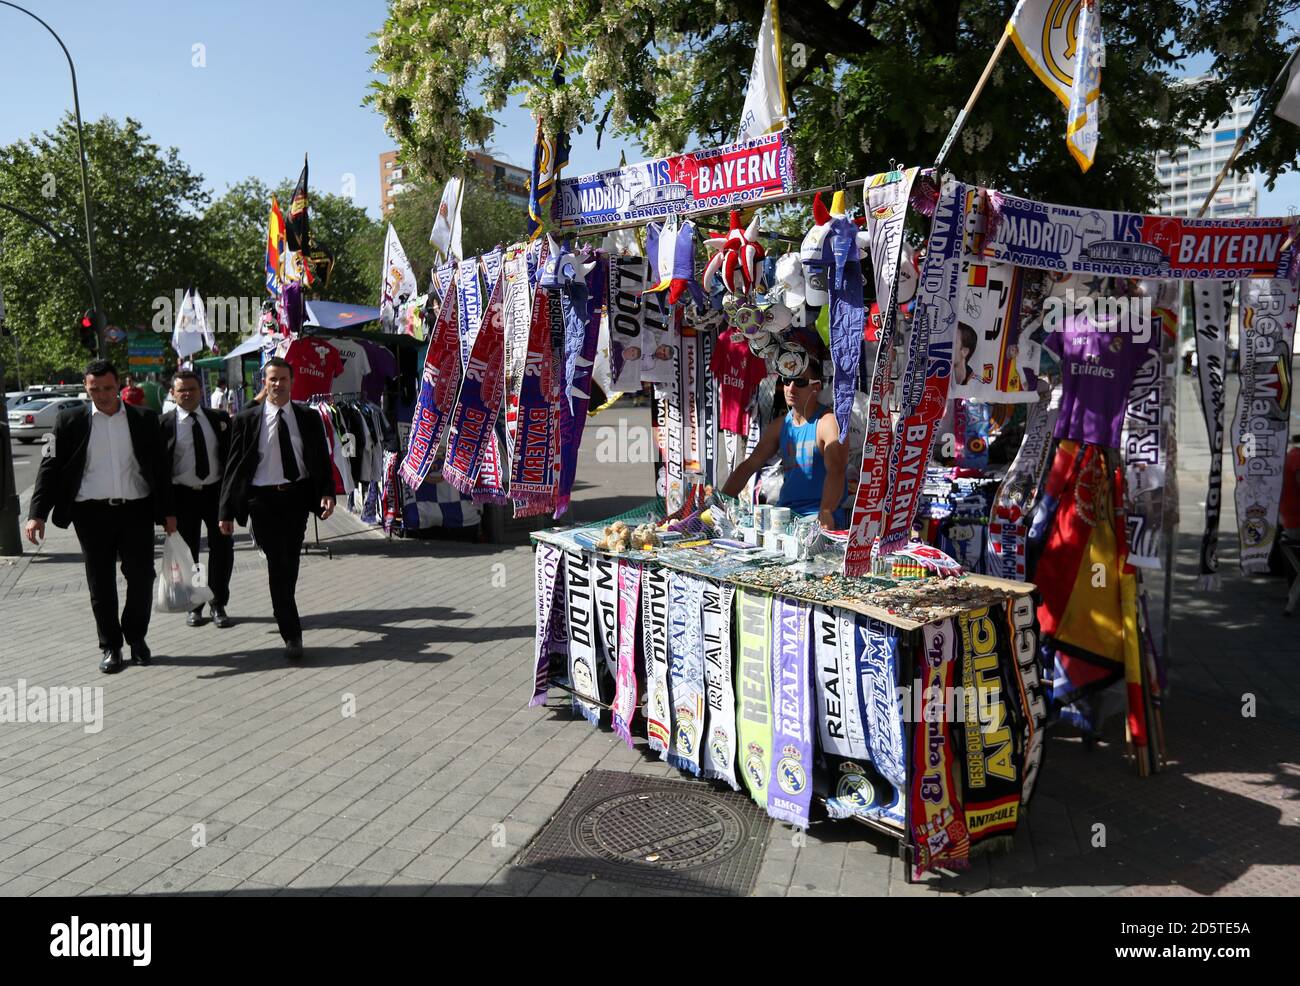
point(1098, 365)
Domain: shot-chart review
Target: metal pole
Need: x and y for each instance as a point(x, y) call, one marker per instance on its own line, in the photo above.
point(11, 542)
point(85, 187)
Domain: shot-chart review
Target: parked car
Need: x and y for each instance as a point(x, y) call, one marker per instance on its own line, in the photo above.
point(33, 420)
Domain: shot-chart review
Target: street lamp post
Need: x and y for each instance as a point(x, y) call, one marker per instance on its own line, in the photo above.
point(85, 186)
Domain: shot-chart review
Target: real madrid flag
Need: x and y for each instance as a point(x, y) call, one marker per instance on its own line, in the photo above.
point(1061, 40)
point(765, 106)
point(446, 233)
point(191, 333)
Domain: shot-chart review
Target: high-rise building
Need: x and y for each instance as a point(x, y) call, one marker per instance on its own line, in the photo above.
point(1187, 174)
point(510, 181)
point(390, 180)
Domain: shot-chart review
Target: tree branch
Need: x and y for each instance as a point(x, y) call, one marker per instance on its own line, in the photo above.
point(824, 27)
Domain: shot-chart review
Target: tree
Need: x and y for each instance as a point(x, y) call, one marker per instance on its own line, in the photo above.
point(868, 81)
point(147, 206)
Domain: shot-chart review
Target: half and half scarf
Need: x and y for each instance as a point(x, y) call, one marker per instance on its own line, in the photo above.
point(875, 647)
point(1213, 301)
point(472, 439)
point(517, 318)
point(654, 630)
point(657, 339)
point(627, 279)
point(686, 670)
point(604, 570)
point(547, 564)
point(790, 790)
point(939, 834)
point(754, 682)
point(533, 472)
point(439, 384)
point(720, 750)
point(579, 392)
point(1011, 513)
point(583, 675)
point(469, 306)
point(625, 677)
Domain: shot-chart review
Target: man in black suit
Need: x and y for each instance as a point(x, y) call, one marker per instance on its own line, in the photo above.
point(104, 471)
point(198, 444)
point(278, 472)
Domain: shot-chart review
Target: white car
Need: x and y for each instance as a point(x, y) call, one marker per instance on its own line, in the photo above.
point(33, 420)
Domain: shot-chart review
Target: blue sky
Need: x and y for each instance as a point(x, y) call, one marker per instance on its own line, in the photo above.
point(233, 118)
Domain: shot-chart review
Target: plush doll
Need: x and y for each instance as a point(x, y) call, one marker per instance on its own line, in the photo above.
point(737, 257)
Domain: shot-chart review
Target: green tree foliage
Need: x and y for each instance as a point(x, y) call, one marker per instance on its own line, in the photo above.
point(869, 81)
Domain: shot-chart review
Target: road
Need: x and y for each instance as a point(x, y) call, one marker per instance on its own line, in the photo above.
point(27, 458)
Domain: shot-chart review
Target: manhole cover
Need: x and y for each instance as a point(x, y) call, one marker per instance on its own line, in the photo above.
point(654, 833)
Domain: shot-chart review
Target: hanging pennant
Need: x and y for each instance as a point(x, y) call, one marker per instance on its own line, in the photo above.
point(439, 384)
point(1213, 305)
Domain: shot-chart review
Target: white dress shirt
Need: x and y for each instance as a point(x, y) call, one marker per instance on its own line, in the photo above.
point(218, 399)
point(111, 471)
point(270, 471)
point(183, 461)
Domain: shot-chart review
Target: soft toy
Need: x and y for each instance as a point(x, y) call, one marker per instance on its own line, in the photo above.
point(670, 248)
point(737, 257)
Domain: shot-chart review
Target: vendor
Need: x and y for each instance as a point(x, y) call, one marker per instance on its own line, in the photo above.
point(813, 458)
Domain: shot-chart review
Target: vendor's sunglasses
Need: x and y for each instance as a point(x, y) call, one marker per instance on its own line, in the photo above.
point(795, 381)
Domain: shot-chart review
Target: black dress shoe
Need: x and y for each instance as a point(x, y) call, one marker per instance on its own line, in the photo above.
point(219, 617)
point(140, 654)
point(194, 618)
point(112, 662)
point(293, 648)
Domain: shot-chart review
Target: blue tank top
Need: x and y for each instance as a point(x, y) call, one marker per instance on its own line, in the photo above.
point(804, 467)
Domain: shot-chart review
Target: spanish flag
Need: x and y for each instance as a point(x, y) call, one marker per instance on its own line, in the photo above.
point(275, 249)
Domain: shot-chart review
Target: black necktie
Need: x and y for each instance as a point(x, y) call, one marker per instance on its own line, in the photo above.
point(287, 461)
point(200, 449)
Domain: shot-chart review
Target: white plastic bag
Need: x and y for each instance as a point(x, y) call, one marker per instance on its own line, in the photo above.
point(182, 585)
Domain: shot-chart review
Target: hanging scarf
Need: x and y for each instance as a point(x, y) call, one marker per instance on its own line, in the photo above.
point(442, 277)
point(720, 750)
point(929, 368)
point(547, 565)
point(1009, 520)
point(579, 392)
point(686, 670)
point(991, 725)
point(885, 200)
point(439, 383)
point(629, 586)
point(672, 421)
point(654, 630)
point(972, 422)
point(875, 645)
point(532, 473)
point(627, 279)
point(605, 572)
point(469, 308)
point(1213, 302)
point(989, 365)
point(657, 339)
point(686, 397)
point(939, 834)
point(582, 635)
point(389, 507)
point(847, 315)
point(1259, 430)
point(472, 439)
point(790, 790)
point(839, 713)
point(706, 400)
point(517, 318)
point(754, 682)
point(492, 263)
point(1033, 699)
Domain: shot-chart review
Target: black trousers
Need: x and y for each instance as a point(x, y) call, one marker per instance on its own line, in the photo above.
point(108, 534)
point(279, 522)
point(196, 509)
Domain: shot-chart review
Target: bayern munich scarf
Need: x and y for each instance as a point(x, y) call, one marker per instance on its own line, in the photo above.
point(1010, 517)
point(439, 384)
point(1033, 697)
point(605, 572)
point(939, 835)
point(1213, 302)
point(720, 749)
point(469, 306)
point(533, 474)
point(1259, 430)
point(582, 635)
point(991, 726)
point(472, 438)
point(686, 670)
point(579, 392)
point(627, 279)
point(885, 199)
point(547, 564)
point(754, 682)
point(654, 631)
point(625, 698)
point(790, 790)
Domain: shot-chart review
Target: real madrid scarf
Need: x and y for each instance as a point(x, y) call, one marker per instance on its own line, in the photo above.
point(991, 726)
point(1259, 430)
point(627, 279)
point(885, 198)
point(605, 572)
point(790, 789)
point(875, 648)
point(686, 398)
point(656, 339)
point(847, 315)
point(517, 315)
point(929, 369)
point(469, 306)
point(472, 437)
point(939, 835)
point(754, 681)
point(706, 399)
point(582, 635)
point(532, 473)
point(839, 718)
point(579, 392)
point(654, 630)
point(439, 383)
point(547, 564)
point(686, 670)
point(720, 750)
point(673, 422)
point(1213, 300)
point(625, 698)
point(1033, 698)
point(1010, 516)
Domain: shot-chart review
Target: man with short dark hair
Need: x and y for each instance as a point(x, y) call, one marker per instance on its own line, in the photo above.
point(131, 394)
point(278, 472)
point(198, 443)
point(104, 472)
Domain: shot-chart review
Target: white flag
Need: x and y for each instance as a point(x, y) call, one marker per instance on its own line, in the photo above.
point(1061, 41)
point(445, 235)
point(765, 107)
point(191, 333)
point(397, 286)
point(1288, 107)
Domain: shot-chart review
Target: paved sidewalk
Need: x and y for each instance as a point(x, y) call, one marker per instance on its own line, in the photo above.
point(399, 757)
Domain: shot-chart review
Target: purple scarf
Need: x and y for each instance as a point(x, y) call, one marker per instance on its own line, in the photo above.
point(790, 790)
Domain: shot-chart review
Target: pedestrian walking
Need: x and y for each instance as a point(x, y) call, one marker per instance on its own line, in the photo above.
point(104, 472)
point(198, 444)
point(278, 473)
point(131, 394)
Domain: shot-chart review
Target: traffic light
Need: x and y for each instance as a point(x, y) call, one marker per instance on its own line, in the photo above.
point(86, 330)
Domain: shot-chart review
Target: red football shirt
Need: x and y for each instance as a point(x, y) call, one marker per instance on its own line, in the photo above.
point(1289, 509)
point(738, 371)
point(133, 395)
point(315, 365)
